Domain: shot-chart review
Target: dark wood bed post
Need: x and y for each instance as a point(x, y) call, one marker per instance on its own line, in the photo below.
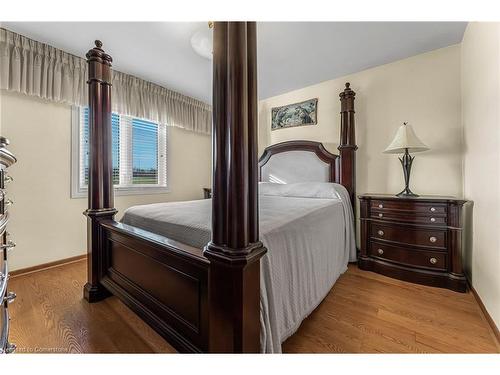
point(100, 192)
point(235, 250)
point(348, 147)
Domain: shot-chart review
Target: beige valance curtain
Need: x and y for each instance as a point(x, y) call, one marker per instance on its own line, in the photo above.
point(37, 69)
point(135, 97)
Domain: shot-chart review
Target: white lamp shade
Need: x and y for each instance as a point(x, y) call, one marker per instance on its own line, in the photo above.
point(405, 138)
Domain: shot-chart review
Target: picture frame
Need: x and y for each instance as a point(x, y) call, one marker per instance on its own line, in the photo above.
point(297, 114)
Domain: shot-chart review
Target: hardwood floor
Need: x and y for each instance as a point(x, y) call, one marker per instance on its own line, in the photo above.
point(369, 313)
point(50, 316)
point(364, 313)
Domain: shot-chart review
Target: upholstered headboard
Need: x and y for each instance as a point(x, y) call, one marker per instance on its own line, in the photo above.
point(309, 161)
point(298, 161)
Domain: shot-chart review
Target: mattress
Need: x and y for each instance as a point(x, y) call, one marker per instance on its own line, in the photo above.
point(309, 240)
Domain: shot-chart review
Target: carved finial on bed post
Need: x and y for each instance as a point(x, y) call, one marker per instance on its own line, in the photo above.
point(100, 186)
point(347, 147)
point(235, 250)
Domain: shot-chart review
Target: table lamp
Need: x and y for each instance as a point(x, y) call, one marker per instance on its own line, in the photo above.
point(405, 141)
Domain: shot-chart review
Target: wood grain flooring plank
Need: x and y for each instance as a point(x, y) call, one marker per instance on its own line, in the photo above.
point(363, 313)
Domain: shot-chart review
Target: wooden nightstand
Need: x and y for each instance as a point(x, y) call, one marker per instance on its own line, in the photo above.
point(417, 239)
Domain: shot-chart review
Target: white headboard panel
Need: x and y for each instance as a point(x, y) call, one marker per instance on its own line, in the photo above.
point(279, 164)
point(298, 161)
point(295, 166)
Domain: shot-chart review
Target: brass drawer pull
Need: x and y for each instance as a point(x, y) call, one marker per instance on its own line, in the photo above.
point(380, 251)
point(10, 348)
point(433, 220)
point(8, 245)
point(380, 215)
point(10, 297)
point(380, 205)
point(433, 260)
point(432, 239)
point(380, 232)
point(433, 209)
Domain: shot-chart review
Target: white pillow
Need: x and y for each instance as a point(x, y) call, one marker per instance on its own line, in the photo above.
point(271, 188)
point(323, 190)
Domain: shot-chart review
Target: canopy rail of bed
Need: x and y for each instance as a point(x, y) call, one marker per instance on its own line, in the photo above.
point(223, 279)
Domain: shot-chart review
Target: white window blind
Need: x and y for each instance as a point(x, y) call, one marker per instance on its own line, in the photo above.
point(139, 154)
point(144, 152)
point(84, 146)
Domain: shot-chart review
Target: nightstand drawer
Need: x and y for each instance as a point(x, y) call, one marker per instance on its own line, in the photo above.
point(407, 217)
point(419, 207)
point(407, 235)
point(416, 258)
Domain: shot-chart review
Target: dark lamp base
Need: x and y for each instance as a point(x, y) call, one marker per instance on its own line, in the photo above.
point(407, 193)
point(406, 162)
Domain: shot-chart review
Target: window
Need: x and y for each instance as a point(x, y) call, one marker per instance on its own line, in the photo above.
point(139, 153)
point(144, 152)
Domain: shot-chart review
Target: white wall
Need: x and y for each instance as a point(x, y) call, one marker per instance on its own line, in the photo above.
point(46, 223)
point(423, 90)
point(481, 123)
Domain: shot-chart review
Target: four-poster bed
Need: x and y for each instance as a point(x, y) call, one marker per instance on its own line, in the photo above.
point(207, 299)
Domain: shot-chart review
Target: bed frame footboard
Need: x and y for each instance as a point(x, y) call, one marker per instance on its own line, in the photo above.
point(163, 281)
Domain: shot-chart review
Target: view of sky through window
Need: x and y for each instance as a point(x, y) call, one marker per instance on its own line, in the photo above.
point(144, 149)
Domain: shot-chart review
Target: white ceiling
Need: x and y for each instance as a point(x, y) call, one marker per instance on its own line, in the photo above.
point(291, 55)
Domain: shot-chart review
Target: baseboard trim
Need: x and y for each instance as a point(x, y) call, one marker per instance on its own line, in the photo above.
point(486, 314)
point(45, 266)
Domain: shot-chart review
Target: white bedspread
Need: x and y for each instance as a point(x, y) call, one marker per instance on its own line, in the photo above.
point(309, 242)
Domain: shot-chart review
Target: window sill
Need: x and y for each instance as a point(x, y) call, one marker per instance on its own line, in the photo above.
point(126, 191)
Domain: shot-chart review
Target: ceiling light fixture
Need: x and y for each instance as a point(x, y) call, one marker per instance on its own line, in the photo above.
point(202, 42)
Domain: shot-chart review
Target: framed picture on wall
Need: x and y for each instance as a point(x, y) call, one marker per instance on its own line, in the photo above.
point(297, 114)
